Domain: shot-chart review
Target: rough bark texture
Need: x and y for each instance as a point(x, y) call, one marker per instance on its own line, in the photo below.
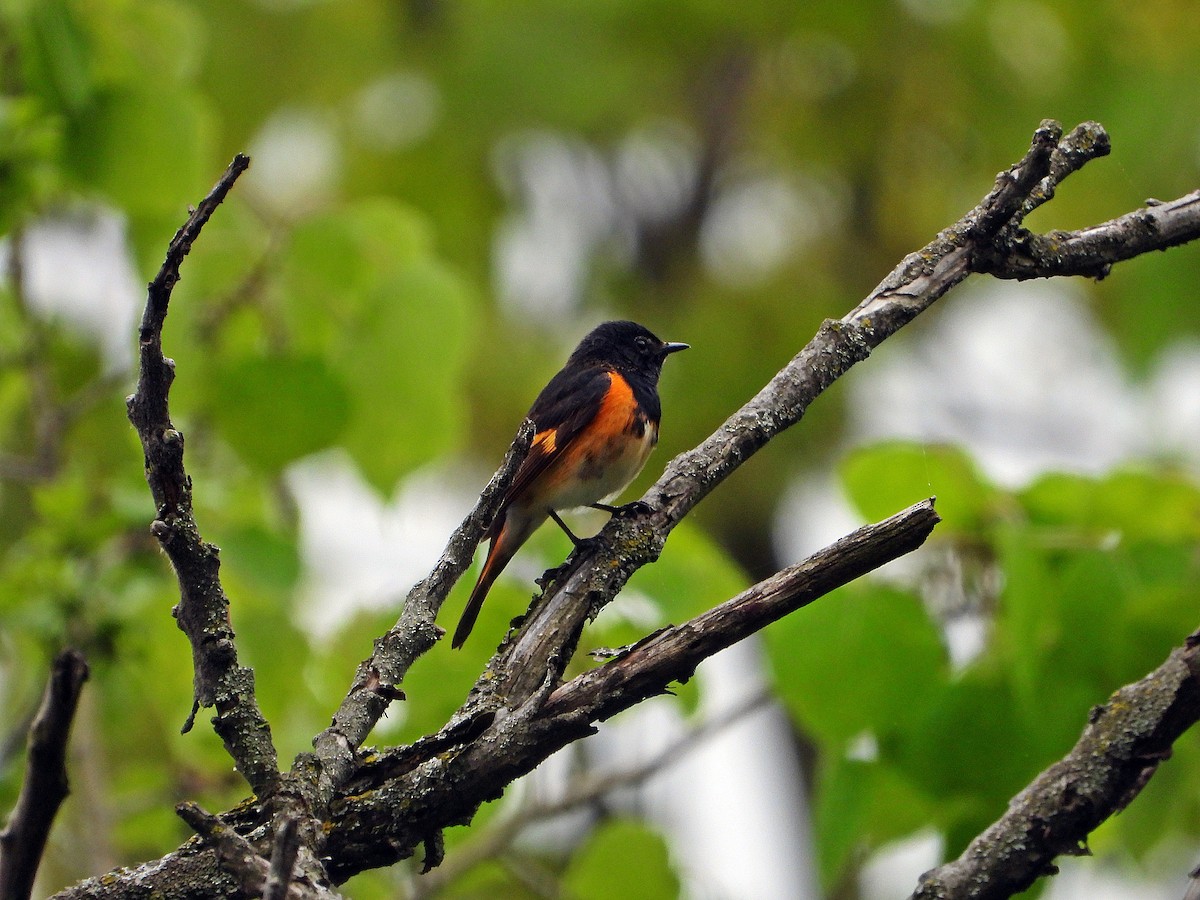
point(546, 641)
point(358, 812)
point(1122, 745)
point(203, 610)
point(45, 786)
point(415, 633)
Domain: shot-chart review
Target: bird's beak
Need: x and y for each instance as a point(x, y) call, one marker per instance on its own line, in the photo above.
point(674, 347)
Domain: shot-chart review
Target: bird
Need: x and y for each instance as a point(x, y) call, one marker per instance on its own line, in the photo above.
point(595, 424)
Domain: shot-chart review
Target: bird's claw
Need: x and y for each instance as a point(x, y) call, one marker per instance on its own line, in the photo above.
point(629, 510)
point(625, 511)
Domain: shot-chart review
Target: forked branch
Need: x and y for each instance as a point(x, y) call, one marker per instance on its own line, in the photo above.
point(45, 786)
point(520, 712)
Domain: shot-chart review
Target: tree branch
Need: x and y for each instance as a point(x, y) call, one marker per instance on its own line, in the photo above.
point(518, 713)
point(414, 634)
point(1094, 251)
point(237, 855)
point(45, 786)
point(443, 787)
point(283, 860)
point(595, 575)
point(237, 858)
point(203, 610)
point(584, 792)
point(1119, 751)
point(672, 654)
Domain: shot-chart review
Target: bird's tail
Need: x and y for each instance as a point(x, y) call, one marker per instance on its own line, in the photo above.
point(503, 546)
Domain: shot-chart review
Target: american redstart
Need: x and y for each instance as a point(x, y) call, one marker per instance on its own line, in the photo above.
point(595, 424)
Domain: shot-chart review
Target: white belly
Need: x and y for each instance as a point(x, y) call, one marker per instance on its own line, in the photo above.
point(603, 475)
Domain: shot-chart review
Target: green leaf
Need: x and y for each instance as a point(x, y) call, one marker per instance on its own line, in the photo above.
point(262, 557)
point(623, 858)
point(273, 410)
point(30, 144)
point(406, 375)
point(883, 479)
point(145, 148)
point(1131, 504)
point(492, 879)
point(365, 292)
point(166, 37)
point(969, 751)
point(863, 659)
point(1084, 620)
point(336, 261)
point(861, 805)
point(56, 55)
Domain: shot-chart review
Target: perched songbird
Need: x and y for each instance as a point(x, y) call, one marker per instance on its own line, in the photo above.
point(595, 424)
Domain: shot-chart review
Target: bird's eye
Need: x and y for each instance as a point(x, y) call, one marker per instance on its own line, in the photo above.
point(642, 341)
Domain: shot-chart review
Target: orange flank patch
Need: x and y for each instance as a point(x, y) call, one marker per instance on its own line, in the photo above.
point(615, 448)
point(599, 462)
point(617, 410)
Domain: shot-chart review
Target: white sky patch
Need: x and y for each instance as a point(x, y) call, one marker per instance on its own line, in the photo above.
point(1021, 375)
point(634, 608)
point(396, 111)
point(1174, 403)
point(297, 161)
point(78, 267)
point(761, 220)
point(655, 171)
point(560, 194)
point(738, 794)
point(895, 867)
point(1082, 878)
point(361, 551)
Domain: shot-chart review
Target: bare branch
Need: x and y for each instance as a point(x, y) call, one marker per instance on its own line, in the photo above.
point(646, 668)
point(203, 610)
point(45, 786)
point(237, 855)
point(283, 860)
point(1119, 751)
point(593, 577)
point(1087, 141)
point(1093, 251)
point(584, 792)
point(413, 634)
point(439, 787)
point(238, 858)
point(519, 714)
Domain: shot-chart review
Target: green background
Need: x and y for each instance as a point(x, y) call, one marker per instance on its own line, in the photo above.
point(364, 309)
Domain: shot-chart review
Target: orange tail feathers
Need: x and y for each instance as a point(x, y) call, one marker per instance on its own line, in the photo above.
point(501, 549)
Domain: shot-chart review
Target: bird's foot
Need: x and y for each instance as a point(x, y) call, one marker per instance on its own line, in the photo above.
point(628, 510)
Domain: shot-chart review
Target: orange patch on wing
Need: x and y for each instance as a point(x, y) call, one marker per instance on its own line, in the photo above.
point(546, 441)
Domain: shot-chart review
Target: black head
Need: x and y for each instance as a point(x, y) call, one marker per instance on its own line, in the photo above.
point(626, 347)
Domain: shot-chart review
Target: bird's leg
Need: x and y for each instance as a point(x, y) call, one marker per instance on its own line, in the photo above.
point(551, 575)
point(581, 544)
point(567, 531)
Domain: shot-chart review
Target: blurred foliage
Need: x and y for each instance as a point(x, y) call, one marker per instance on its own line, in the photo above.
point(444, 196)
point(1098, 583)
